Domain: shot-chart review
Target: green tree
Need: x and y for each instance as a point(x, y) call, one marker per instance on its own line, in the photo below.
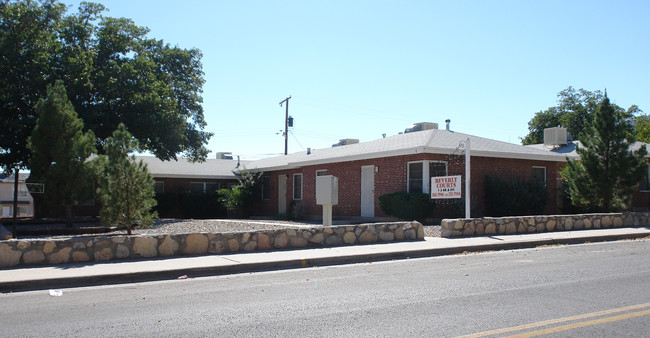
point(608, 171)
point(125, 186)
point(59, 150)
point(27, 41)
point(243, 195)
point(113, 73)
point(642, 128)
point(575, 109)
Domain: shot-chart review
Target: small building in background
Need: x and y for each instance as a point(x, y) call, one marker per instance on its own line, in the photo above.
point(25, 200)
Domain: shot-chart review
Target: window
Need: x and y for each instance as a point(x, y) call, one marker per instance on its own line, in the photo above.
point(415, 177)
point(297, 186)
point(203, 187)
point(420, 173)
point(22, 190)
point(196, 187)
point(266, 187)
point(211, 187)
point(159, 187)
point(539, 175)
point(23, 211)
point(437, 169)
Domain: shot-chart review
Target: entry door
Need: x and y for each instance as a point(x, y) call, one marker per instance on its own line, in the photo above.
point(368, 191)
point(282, 194)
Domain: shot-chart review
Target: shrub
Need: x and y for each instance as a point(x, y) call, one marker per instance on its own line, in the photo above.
point(514, 197)
point(240, 200)
point(190, 205)
point(407, 206)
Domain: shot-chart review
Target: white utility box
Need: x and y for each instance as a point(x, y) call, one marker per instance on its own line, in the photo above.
point(327, 190)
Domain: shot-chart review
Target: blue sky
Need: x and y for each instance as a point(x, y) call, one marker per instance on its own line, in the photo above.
point(358, 69)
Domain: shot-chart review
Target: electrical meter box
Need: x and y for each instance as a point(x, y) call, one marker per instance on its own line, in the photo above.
point(327, 190)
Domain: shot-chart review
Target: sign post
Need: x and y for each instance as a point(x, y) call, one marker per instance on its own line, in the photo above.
point(444, 187)
point(467, 179)
point(327, 195)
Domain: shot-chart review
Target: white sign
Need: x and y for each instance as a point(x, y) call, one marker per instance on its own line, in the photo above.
point(446, 187)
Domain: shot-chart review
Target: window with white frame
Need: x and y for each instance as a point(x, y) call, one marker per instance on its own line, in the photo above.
point(539, 175)
point(297, 186)
point(420, 173)
point(415, 177)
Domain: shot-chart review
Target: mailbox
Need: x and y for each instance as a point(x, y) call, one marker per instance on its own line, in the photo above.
point(327, 190)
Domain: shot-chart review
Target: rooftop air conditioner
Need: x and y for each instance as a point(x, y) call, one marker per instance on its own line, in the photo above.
point(555, 136)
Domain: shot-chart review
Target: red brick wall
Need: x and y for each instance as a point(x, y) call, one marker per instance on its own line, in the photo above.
point(391, 176)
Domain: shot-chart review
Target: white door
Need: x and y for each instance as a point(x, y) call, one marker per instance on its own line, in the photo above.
point(282, 194)
point(368, 191)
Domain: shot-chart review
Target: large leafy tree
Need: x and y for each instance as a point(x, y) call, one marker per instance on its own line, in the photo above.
point(642, 128)
point(27, 43)
point(575, 109)
point(608, 171)
point(59, 150)
point(114, 73)
point(125, 186)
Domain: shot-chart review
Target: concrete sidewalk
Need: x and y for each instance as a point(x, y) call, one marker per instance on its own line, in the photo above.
point(73, 275)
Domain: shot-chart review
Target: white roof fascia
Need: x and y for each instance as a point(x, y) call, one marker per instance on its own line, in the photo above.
point(532, 157)
point(197, 177)
point(431, 150)
point(360, 157)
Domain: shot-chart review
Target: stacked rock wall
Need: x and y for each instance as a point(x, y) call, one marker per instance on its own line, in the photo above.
point(106, 248)
point(531, 224)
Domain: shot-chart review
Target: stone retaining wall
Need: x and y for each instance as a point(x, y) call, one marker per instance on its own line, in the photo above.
point(531, 224)
point(106, 248)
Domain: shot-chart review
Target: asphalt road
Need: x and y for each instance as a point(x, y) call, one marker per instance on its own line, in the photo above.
point(596, 290)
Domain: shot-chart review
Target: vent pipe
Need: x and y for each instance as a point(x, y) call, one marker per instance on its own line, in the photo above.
point(447, 122)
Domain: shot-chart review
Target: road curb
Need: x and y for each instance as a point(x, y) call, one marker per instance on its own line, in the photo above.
point(294, 263)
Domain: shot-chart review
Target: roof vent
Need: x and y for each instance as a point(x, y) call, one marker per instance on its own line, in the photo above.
point(345, 142)
point(224, 156)
point(556, 136)
point(420, 126)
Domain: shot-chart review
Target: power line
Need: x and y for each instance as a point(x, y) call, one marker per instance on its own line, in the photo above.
point(295, 138)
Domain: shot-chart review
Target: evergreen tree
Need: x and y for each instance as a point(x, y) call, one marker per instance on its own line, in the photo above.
point(125, 187)
point(59, 151)
point(608, 171)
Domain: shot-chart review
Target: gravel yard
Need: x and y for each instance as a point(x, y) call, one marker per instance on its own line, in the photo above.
point(229, 225)
point(173, 226)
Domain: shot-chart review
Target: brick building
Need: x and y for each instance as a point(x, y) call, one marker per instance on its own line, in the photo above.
point(406, 162)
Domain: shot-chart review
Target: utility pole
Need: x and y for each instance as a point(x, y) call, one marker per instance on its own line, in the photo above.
point(15, 219)
point(286, 124)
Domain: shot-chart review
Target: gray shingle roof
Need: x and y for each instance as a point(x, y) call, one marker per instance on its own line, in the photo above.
point(432, 141)
point(211, 168)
